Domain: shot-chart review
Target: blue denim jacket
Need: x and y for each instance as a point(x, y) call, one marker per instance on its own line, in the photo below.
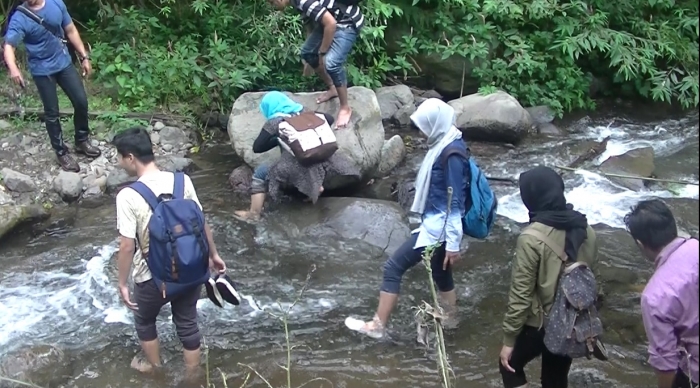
point(435, 219)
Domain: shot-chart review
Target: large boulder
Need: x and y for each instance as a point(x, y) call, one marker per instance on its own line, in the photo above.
point(497, 117)
point(12, 215)
point(361, 141)
point(637, 162)
point(379, 223)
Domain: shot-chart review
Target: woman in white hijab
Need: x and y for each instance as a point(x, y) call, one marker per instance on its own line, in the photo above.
point(439, 170)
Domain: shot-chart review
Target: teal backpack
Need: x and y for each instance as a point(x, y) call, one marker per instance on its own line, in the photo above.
point(481, 204)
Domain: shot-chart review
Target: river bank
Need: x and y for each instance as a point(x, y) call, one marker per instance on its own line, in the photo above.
point(60, 280)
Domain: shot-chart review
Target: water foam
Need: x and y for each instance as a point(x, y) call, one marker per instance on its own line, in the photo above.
point(601, 200)
point(32, 301)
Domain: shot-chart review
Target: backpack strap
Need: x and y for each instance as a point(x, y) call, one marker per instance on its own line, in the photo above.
point(146, 193)
point(449, 151)
point(22, 8)
point(558, 250)
point(179, 186)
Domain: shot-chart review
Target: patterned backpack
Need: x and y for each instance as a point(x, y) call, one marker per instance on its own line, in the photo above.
point(572, 327)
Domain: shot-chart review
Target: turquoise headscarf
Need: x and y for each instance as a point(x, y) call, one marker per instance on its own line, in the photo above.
point(275, 104)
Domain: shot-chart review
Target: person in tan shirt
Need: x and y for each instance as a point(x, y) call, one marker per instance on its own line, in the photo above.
point(135, 154)
point(535, 276)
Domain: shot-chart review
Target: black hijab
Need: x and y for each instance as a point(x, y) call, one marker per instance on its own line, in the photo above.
point(542, 192)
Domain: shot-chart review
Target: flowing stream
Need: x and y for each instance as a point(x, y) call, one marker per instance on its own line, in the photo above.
point(58, 288)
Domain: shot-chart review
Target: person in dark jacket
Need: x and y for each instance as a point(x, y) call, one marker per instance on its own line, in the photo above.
point(435, 119)
point(275, 106)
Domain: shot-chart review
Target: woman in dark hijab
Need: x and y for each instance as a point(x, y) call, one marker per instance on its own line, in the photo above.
point(542, 192)
point(536, 270)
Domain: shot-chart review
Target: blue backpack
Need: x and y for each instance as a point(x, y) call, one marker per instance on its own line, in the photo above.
point(481, 204)
point(178, 254)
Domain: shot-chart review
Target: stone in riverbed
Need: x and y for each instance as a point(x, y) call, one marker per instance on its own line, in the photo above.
point(497, 117)
point(393, 152)
point(17, 182)
point(69, 185)
point(155, 138)
point(12, 215)
point(393, 98)
point(361, 141)
point(346, 219)
point(172, 136)
point(46, 365)
point(637, 162)
point(402, 117)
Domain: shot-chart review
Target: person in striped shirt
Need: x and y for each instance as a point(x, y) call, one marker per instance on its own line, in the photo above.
point(335, 29)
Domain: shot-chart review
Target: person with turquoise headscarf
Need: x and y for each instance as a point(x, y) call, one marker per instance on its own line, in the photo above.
point(275, 106)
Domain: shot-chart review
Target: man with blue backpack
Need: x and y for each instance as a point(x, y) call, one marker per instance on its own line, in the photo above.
point(453, 199)
point(165, 238)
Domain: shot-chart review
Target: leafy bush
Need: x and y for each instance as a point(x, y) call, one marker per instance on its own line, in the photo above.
point(548, 52)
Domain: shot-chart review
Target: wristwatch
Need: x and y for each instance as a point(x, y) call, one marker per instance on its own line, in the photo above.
point(83, 58)
point(322, 53)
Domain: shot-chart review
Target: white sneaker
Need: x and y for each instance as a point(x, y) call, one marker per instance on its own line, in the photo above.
point(358, 325)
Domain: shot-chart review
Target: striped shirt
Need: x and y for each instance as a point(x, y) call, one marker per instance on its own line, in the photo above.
point(345, 15)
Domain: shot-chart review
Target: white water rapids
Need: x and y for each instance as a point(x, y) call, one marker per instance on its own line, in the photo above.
point(67, 303)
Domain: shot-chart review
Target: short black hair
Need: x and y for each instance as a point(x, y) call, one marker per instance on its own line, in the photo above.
point(651, 222)
point(135, 141)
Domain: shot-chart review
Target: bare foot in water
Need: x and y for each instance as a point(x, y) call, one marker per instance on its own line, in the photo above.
point(246, 215)
point(327, 96)
point(141, 365)
point(344, 116)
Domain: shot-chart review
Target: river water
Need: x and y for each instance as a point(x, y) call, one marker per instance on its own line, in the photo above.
point(58, 288)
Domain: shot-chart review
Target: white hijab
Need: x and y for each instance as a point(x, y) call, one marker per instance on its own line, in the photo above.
point(436, 120)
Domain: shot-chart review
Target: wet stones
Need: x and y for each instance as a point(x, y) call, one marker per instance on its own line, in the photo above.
point(17, 182)
point(172, 136)
point(637, 162)
point(43, 364)
point(396, 104)
point(497, 117)
point(69, 185)
point(393, 153)
point(13, 215)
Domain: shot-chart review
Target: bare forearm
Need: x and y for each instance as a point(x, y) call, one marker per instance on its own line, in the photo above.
point(124, 259)
point(74, 38)
point(210, 240)
point(328, 34)
point(9, 56)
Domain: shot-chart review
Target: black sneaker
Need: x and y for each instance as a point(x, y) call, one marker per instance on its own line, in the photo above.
point(227, 289)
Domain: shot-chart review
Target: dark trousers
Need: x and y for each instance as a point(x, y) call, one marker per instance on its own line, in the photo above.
point(683, 381)
point(69, 80)
point(528, 346)
point(150, 300)
point(406, 257)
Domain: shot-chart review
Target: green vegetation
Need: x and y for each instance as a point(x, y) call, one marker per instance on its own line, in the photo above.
point(201, 54)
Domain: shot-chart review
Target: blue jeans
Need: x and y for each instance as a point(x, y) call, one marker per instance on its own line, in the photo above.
point(343, 41)
point(259, 182)
point(406, 257)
